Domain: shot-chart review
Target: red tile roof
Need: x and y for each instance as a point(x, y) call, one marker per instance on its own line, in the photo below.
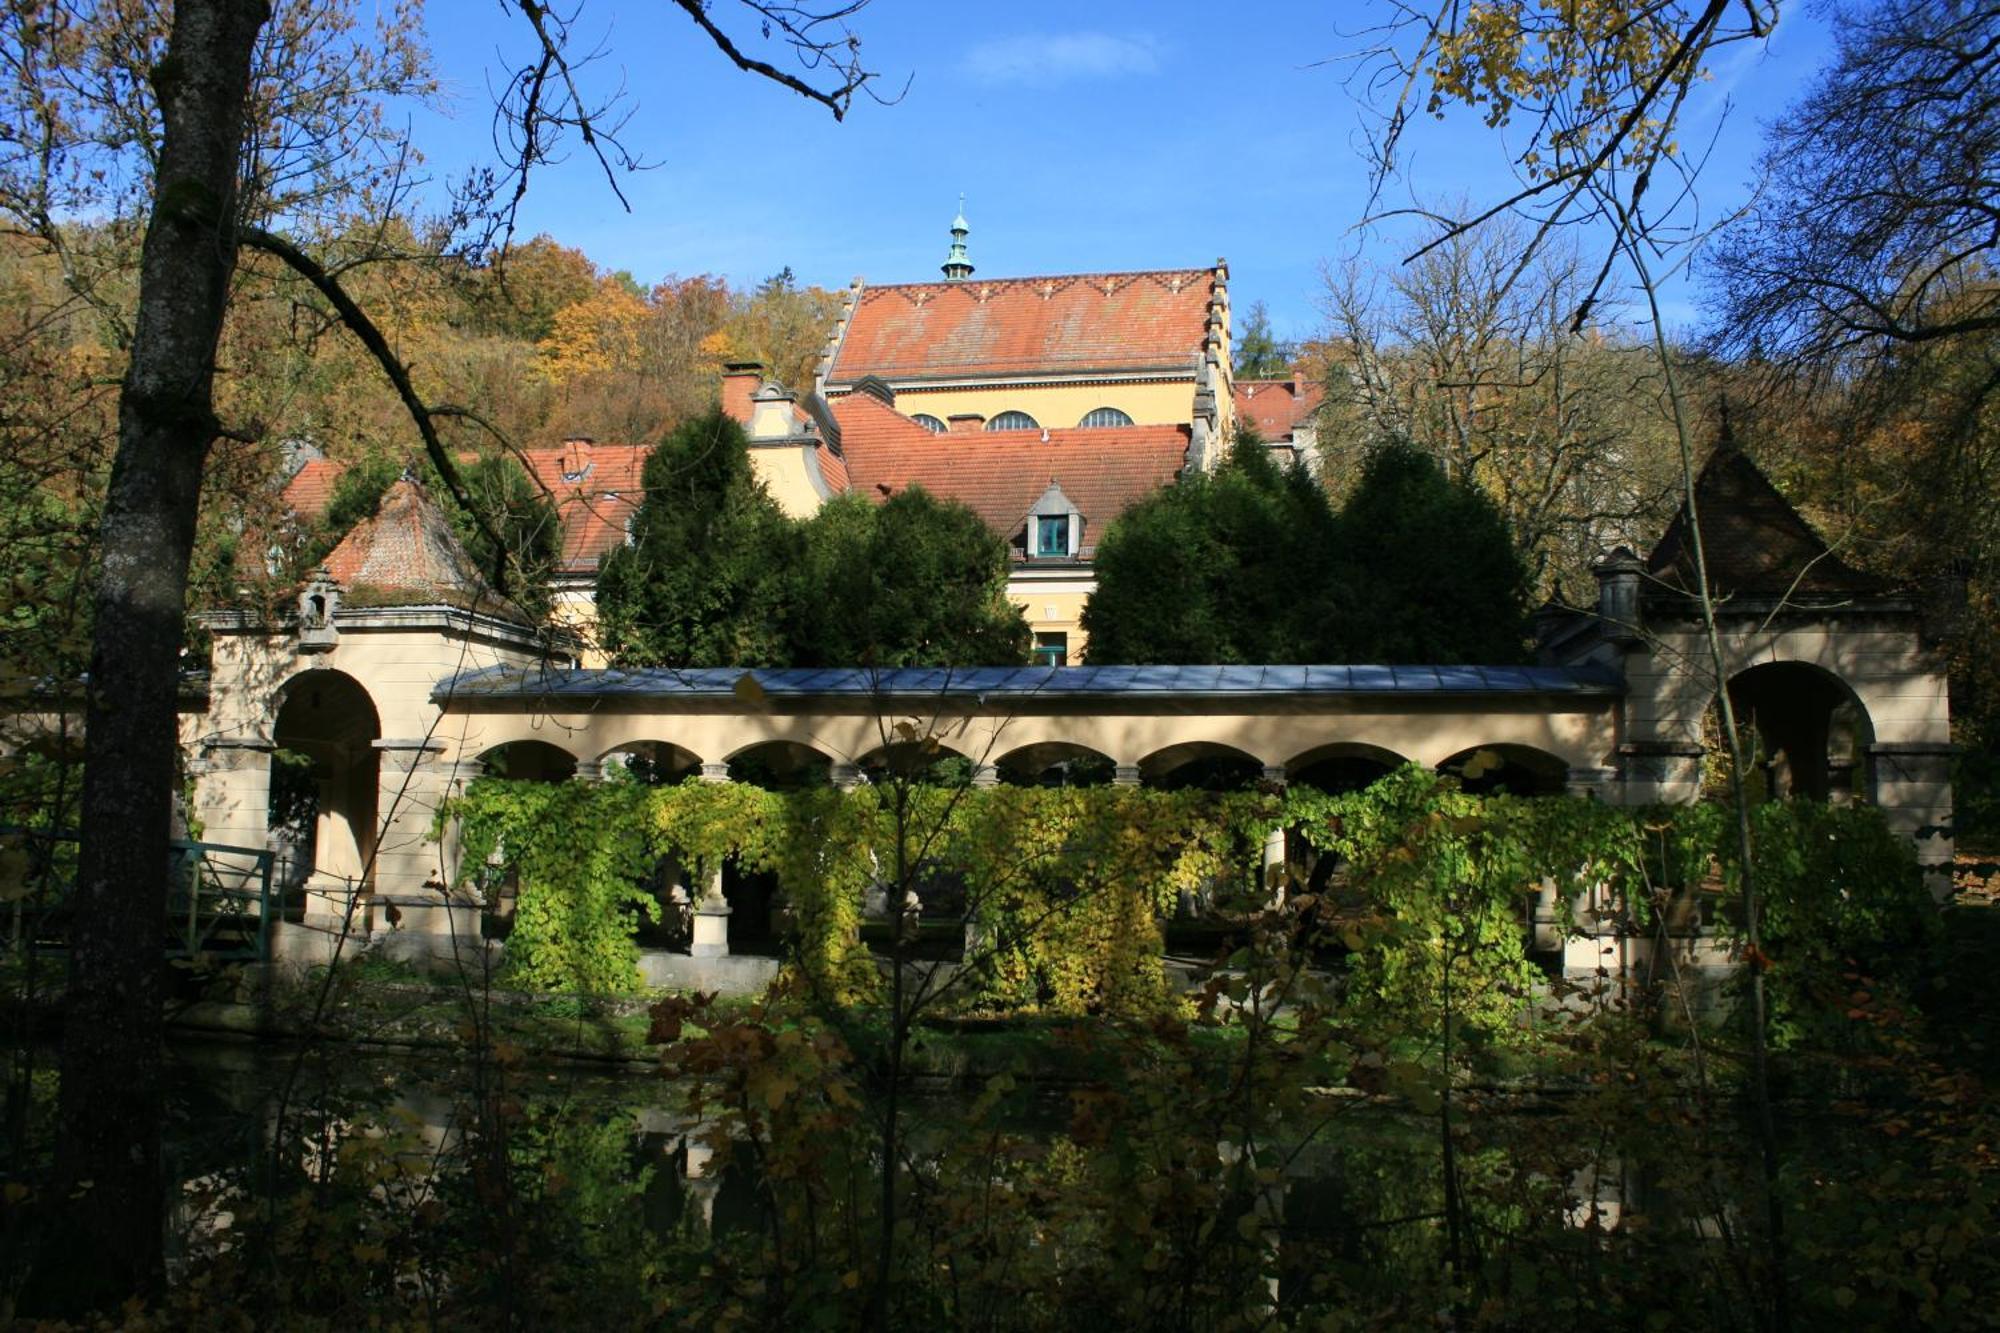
point(407, 555)
point(1041, 326)
point(311, 488)
point(1276, 407)
point(1001, 474)
point(597, 489)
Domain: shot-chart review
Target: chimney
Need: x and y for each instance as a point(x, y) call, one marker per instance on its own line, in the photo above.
point(771, 414)
point(1618, 574)
point(962, 423)
point(739, 381)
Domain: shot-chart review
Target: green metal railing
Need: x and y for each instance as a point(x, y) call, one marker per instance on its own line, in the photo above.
point(221, 900)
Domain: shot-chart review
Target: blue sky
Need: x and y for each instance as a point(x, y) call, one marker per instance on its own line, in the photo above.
point(1115, 135)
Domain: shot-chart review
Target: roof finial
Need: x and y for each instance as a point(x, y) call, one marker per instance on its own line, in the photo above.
point(956, 266)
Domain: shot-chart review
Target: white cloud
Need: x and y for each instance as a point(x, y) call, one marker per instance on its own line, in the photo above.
point(1045, 58)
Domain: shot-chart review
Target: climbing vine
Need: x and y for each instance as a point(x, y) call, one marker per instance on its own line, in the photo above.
point(1065, 889)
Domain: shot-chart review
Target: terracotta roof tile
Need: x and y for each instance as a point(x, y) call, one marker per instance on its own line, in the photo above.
point(311, 488)
point(407, 555)
point(1276, 407)
point(1077, 322)
point(1000, 474)
point(597, 489)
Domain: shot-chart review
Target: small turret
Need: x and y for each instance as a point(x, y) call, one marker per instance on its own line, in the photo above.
point(957, 267)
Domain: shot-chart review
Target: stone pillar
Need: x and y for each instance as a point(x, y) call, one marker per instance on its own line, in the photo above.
point(1664, 772)
point(710, 935)
point(701, 1183)
point(1912, 787)
point(232, 799)
point(715, 773)
point(845, 776)
point(1273, 869)
point(588, 771)
point(411, 870)
point(985, 775)
point(1125, 775)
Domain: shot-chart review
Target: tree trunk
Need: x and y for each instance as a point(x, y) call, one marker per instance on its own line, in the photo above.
point(108, 1138)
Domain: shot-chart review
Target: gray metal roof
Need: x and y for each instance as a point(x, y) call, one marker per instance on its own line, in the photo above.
point(663, 683)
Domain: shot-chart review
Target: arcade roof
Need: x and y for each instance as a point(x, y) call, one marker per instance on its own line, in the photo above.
point(1197, 682)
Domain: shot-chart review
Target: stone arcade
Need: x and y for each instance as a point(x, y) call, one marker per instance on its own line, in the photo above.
point(401, 678)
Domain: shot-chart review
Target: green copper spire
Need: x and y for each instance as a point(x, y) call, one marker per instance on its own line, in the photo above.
point(956, 266)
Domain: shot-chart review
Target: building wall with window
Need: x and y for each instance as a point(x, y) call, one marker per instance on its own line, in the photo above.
point(1159, 402)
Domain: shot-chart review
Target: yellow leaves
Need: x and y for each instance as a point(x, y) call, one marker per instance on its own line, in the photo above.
point(594, 335)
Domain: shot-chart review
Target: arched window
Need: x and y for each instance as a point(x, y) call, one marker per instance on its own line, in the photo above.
point(929, 423)
point(1105, 416)
point(1012, 421)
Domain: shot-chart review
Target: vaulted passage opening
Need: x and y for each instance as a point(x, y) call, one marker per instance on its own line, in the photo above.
point(1804, 733)
point(325, 774)
point(1518, 770)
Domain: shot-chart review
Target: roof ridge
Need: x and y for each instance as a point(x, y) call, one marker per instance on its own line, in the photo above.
point(971, 283)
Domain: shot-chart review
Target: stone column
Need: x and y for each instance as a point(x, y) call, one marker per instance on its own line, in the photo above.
point(845, 776)
point(232, 799)
point(588, 771)
point(985, 775)
point(1912, 787)
point(411, 870)
point(1273, 871)
point(1125, 775)
point(709, 936)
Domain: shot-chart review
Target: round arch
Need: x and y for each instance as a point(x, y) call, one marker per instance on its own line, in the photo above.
point(325, 776)
point(1520, 770)
point(654, 763)
point(1208, 765)
point(780, 766)
point(1056, 764)
point(1807, 727)
point(921, 761)
point(1343, 766)
point(528, 761)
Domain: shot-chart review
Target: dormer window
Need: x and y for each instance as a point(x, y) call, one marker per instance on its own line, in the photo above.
point(929, 423)
point(1013, 421)
point(1055, 527)
point(1104, 416)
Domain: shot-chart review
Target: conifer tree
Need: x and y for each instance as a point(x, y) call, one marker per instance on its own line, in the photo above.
point(915, 581)
point(703, 581)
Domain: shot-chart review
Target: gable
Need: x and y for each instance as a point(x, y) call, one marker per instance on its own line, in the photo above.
point(1754, 542)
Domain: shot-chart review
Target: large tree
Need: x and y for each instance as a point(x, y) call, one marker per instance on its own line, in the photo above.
point(1253, 564)
point(1877, 224)
point(216, 122)
point(1433, 570)
point(1476, 361)
point(704, 579)
point(914, 581)
point(1230, 567)
point(715, 574)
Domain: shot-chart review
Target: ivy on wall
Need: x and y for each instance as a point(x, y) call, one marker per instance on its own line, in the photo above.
point(1065, 889)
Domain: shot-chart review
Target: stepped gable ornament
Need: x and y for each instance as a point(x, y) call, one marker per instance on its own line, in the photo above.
point(319, 599)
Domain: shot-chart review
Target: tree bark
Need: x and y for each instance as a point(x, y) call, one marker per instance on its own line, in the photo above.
point(107, 1245)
